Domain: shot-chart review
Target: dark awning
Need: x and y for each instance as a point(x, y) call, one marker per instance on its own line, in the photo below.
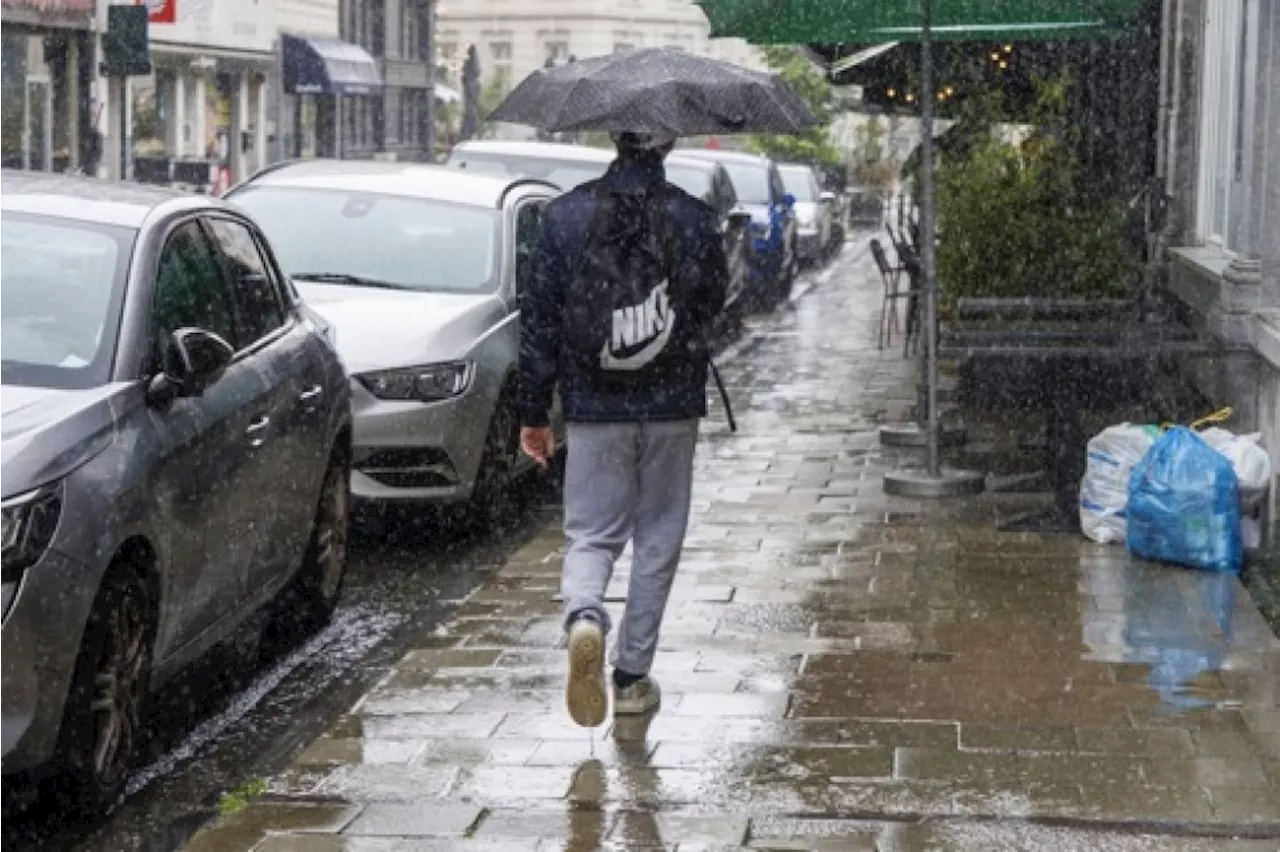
point(320, 66)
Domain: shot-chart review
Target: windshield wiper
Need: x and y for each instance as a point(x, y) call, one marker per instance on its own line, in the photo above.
point(350, 280)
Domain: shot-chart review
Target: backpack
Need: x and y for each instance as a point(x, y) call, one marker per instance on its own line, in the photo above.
point(625, 318)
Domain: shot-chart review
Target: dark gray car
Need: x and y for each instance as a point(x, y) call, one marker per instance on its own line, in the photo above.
point(176, 436)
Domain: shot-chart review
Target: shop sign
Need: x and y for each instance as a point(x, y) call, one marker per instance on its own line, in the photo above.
point(241, 25)
point(161, 11)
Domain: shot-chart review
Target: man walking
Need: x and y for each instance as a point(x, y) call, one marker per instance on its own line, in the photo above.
point(628, 277)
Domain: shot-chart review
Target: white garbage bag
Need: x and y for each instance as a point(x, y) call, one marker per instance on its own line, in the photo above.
point(1104, 490)
point(1250, 461)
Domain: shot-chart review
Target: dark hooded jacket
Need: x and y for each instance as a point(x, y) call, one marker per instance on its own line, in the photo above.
point(566, 223)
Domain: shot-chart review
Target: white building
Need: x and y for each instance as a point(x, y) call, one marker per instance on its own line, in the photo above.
point(206, 99)
point(514, 39)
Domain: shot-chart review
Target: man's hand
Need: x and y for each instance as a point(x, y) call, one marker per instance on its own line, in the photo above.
point(538, 443)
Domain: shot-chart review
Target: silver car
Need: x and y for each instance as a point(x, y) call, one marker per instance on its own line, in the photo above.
point(417, 267)
point(815, 210)
point(176, 437)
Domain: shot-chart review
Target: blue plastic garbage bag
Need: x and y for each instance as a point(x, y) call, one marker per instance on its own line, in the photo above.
point(1183, 505)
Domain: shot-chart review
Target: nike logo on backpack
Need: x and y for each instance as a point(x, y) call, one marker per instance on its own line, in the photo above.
point(649, 322)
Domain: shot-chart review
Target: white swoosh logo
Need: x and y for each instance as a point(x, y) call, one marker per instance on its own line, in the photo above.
point(609, 361)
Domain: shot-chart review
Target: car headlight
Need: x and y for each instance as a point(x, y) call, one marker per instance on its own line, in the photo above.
point(429, 383)
point(30, 521)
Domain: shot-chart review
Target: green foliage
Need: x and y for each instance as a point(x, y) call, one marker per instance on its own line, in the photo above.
point(1018, 220)
point(491, 96)
point(238, 799)
point(1012, 225)
point(813, 145)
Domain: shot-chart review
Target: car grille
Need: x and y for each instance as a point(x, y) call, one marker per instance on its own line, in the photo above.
point(407, 467)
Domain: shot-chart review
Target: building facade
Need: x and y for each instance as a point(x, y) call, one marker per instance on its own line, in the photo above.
point(1220, 168)
point(515, 39)
point(397, 121)
point(47, 57)
point(205, 102)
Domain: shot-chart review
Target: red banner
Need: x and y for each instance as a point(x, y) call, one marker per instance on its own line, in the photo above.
point(161, 11)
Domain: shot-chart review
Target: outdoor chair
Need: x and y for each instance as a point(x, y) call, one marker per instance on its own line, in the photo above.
point(891, 276)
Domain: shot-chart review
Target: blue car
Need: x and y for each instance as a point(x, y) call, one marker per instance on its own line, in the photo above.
point(761, 193)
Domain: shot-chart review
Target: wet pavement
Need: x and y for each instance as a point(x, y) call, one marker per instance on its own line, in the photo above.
point(841, 670)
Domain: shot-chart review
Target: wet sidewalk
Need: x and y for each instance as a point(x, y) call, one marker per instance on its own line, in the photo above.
point(841, 670)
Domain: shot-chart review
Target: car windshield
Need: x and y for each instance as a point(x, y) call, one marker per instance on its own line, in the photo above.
point(799, 182)
point(566, 174)
point(386, 240)
point(61, 286)
point(750, 182)
point(693, 180)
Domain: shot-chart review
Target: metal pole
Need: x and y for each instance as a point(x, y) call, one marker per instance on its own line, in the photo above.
point(124, 127)
point(927, 231)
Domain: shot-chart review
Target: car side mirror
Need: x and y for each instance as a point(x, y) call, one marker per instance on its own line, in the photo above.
point(788, 200)
point(193, 360)
point(739, 219)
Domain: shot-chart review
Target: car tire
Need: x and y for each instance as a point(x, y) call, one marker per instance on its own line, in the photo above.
point(106, 711)
point(490, 503)
point(309, 600)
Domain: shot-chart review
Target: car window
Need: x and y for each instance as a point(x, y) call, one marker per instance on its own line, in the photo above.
point(375, 239)
point(190, 291)
point(729, 200)
point(63, 285)
point(750, 182)
point(692, 180)
point(528, 226)
point(253, 289)
point(775, 182)
point(800, 183)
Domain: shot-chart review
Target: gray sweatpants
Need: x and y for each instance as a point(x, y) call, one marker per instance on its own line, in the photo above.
point(626, 482)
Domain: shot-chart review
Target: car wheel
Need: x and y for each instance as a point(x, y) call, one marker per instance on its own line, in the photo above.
point(309, 602)
point(106, 706)
point(490, 504)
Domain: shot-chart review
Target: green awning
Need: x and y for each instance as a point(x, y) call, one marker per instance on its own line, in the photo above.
point(872, 21)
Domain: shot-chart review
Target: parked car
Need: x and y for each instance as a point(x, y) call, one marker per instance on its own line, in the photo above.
point(814, 208)
point(418, 267)
point(761, 192)
point(176, 443)
point(568, 166)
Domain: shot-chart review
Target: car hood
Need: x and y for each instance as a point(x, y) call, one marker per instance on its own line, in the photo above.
point(381, 329)
point(47, 433)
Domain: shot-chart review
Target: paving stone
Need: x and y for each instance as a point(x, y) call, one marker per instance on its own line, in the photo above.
point(828, 649)
point(414, 819)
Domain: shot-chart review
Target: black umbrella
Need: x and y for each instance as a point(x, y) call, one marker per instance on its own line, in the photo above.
point(658, 91)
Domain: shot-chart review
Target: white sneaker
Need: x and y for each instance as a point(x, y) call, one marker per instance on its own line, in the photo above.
point(637, 699)
point(584, 693)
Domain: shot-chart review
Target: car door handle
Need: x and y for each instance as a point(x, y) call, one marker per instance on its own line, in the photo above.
point(311, 394)
point(257, 431)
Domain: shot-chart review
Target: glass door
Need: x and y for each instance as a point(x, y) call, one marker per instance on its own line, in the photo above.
point(37, 153)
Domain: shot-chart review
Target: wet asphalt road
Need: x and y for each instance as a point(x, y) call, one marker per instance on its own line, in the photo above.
point(246, 709)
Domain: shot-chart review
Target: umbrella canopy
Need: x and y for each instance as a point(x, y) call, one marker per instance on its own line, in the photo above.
point(658, 91)
point(824, 21)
